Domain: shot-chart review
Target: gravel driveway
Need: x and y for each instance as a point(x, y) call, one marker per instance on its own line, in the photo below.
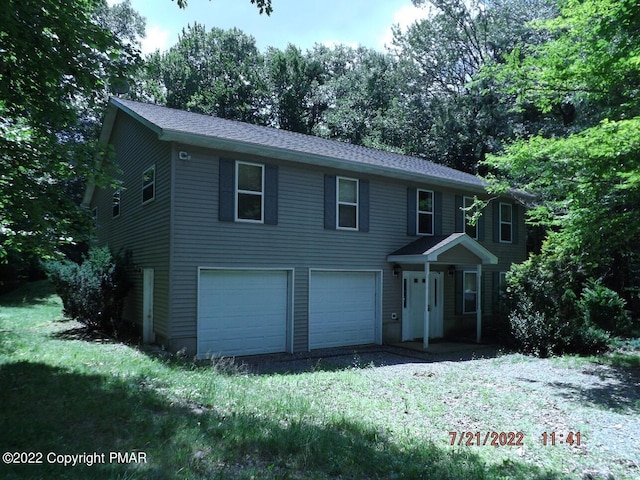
point(553, 395)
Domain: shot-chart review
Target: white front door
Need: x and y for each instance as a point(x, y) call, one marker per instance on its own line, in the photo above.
point(147, 305)
point(414, 305)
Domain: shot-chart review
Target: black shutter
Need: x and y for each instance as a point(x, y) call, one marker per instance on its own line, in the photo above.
point(496, 221)
point(363, 205)
point(437, 213)
point(412, 228)
point(330, 202)
point(459, 214)
point(514, 224)
point(458, 293)
point(480, 227)
point(227, 204)
point(271, 195)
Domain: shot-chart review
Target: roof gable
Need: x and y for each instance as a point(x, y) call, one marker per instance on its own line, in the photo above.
point(436, 249)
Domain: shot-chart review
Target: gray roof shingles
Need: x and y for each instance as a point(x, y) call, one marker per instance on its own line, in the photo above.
point(180, 121)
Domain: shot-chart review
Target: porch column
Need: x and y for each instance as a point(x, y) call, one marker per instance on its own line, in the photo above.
point(425, 337)
point(478, 302)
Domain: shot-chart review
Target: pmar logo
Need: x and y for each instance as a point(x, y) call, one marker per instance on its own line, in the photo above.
point(127, 457)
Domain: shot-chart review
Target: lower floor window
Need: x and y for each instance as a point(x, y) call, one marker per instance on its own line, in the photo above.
point(470, 292)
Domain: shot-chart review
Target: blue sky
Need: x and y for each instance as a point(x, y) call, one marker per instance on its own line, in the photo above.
point(300, 22)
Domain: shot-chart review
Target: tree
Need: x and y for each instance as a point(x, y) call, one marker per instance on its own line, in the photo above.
point(56, 62)
point(293, 78)
point(592, 57)
point(586, 184)
point(463, 117)
point(216, 73)
point(358, 90)
point(264, 6)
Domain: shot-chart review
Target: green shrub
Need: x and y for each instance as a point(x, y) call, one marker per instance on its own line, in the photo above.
point(550, 312)
point(533, 331)
point(93, 292)
point(604, 308)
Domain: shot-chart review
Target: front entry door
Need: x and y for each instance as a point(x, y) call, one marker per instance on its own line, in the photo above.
point(414, 292)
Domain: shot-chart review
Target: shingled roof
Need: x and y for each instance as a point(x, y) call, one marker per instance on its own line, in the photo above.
point(204, 130)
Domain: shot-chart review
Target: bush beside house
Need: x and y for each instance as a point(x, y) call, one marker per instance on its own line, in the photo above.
point(93, 291)
point(555, 307)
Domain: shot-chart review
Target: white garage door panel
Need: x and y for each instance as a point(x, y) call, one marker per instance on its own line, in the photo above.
point(242, 312)
point(342, 309)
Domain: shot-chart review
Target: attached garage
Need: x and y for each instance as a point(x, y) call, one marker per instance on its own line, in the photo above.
point(344, 308)
point(244, 312)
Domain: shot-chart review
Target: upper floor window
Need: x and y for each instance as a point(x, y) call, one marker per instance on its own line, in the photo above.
point(347, 203)
point(471, 230)
point(425, 212)
point(149, 184)
point(249, 192)
point(115, 204)
point(506, 222)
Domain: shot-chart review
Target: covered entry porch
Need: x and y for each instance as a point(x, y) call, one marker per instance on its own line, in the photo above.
point(432, 268)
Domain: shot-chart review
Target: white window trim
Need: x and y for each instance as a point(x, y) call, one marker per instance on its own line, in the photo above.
point(464, 303)
point(418, 212)
point(248, 192)
point(352, 204)
point(119, 193)
point(502, 278)
point(510, 223)
point(153, 183)
point(464, 215)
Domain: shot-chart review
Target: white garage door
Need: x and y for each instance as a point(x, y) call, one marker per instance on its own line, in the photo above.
point(242, 312)
point(343, 309)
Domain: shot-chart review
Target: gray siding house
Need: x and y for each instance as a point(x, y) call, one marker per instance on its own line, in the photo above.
point(251, 240)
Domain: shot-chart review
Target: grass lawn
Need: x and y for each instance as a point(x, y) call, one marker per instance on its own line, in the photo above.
point(66, 397)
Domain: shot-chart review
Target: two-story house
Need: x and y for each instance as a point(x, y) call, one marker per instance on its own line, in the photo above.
point(250, 239)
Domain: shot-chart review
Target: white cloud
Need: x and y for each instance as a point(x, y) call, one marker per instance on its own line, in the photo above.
point(404, 17)
point(157, 38)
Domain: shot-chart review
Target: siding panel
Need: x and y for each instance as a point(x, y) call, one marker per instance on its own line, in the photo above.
point(143, 229)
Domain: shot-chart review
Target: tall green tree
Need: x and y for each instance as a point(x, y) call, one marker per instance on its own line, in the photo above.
point(293, 78)
point(358, 90)
point(462, 118)
point(586, 184)
point(216, 72)
point(56, 62)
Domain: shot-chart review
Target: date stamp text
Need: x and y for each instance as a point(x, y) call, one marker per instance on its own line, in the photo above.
point(492, 438)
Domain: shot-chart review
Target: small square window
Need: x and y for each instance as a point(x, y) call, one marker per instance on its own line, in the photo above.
point(425, 212)
point(115, 204)
point(347, 203)
point(149, 184)
point(249, 192)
